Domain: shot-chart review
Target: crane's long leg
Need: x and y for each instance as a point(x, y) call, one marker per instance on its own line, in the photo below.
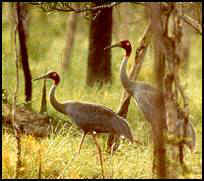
point(99, 151)
point(113, 143)
point(82, 140)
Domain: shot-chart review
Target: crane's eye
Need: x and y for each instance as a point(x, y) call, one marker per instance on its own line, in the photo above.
point(127, 44)
point(53, 74)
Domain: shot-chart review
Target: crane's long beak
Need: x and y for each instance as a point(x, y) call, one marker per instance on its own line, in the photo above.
point(112, 46)
point(41, 77)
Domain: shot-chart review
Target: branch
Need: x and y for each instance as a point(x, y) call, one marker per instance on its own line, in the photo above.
point(192, 23)
point(65, 7)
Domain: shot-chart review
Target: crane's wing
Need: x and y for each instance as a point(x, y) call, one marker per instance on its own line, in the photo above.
point(95, 117)
point(148, 99)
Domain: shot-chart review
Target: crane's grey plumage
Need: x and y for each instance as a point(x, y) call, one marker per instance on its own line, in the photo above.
point(147, 97)
point(91, 118)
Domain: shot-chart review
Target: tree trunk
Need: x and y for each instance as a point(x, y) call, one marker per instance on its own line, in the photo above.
point(24, 54)
point(158, 31)
point(71, 30)
point(99, 61)
point(43, 106)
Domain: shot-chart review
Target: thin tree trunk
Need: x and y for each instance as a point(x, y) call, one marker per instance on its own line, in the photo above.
point(99, 61)
point(14, 125)
point(71, 30)
point(24, 56)
point(43, 107)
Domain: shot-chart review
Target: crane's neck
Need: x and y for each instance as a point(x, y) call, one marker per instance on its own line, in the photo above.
point(127, 84)
point(57, 105)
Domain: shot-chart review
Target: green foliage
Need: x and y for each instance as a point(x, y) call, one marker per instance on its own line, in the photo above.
point(47, 34)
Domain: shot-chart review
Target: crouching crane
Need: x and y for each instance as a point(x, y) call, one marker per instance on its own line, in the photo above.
point(147, 97)
point(91, 118)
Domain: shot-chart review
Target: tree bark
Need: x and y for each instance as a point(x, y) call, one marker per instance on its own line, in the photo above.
point(99, 61)
point(24, 55)
point(43, 106)
point(158, 31)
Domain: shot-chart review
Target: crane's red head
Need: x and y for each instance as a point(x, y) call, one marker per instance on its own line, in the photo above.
point(50, 75)
point(123, 44)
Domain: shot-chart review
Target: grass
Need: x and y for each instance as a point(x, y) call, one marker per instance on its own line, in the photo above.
point(59, 160)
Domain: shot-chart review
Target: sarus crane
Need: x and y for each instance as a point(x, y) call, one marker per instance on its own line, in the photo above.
point(147, 97)
point(90, 118)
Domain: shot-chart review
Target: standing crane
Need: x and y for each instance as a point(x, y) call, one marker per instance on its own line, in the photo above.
point(147, 97)
point(90, 118)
